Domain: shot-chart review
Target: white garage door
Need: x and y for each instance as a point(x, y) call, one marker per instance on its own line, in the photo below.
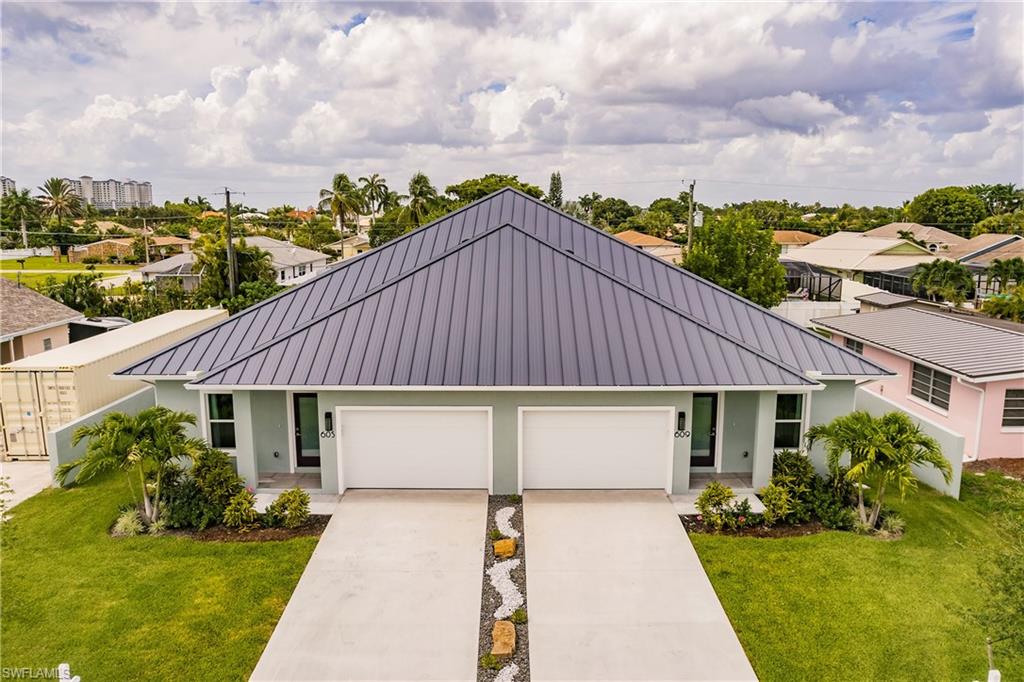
point(414, 448)
point(596, 449)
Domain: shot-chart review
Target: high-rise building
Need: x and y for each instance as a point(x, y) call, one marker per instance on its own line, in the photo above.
point(7, 186)
point(112, 194)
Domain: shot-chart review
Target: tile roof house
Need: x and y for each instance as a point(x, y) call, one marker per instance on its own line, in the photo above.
point(506, 346)
point(937, 241)
point(31, 323)
point(792, 239)
point(662, 248)
point(951, 370)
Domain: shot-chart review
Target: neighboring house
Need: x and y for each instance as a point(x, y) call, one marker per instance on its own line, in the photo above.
point(851, 254)
point(506, 346)
point(660, 248)
point(302, 215)
point(31, 323)
point(793, 239)
point(350, 246)
point(124, 248)
point(211, 214)
point(883, 300)
point(104, 226)
point(936, 240)
point(801, 307)
point(292, 264)
point(979, 254)
point(965, 376)
point(180, 268)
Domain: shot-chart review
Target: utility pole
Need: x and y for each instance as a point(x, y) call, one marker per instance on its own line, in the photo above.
point(145, 238)
point(689, 222)
point(232, 276)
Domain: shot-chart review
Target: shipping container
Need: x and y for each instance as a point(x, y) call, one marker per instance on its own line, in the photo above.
point(45, 391)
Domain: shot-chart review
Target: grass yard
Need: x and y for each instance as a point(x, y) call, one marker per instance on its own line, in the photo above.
point(48, 263)
point(135, 608)
point(837, 606)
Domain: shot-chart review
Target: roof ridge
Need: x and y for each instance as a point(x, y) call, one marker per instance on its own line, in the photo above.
point(657, 300)
point(700, 280)
point(350, 302)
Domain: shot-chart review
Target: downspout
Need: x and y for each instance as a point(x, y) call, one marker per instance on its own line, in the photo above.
point(981, 414)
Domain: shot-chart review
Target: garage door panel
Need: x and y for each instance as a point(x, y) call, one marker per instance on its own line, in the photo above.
point(596, 449)
point(391, 448)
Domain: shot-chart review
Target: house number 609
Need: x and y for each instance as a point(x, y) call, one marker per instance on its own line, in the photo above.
point(682, 434)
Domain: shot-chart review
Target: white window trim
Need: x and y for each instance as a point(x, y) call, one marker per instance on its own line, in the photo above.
point(338, 409)
point(204, 414)
point(927, 403)
point(1007, 429)
point(803, 420)
point(669, 410)
point(931, 406)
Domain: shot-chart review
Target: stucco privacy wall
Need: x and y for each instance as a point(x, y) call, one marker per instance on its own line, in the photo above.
point(836, 400)
point(58, 441)
point(951, 442)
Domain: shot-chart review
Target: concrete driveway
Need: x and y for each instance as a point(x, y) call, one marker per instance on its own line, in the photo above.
point(26, 478)
point(392, 592)
point(615, 591)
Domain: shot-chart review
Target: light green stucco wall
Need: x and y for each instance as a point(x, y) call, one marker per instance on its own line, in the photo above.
point(836, 400)
point(174, 396)
point(270, 430)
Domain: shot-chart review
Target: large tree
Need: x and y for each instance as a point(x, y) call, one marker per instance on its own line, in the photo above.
point(22, 207)
point(58, 201)
point(954, 209)
point(554, 197)
point(375, 192)
point(735, 253)
point(609, 213)
point(477, 188)
point(999, 199)
point(423, 198)
point(656, 223)
point(1003, 223)
point(211, 259)
point(343, 199)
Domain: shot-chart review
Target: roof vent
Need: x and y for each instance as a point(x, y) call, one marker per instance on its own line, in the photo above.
point(570, 251)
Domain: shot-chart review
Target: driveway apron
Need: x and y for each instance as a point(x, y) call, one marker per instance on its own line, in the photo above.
point(392, 592)
point(616, 592)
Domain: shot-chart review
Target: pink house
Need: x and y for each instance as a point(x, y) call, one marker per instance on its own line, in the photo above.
point(963, 374)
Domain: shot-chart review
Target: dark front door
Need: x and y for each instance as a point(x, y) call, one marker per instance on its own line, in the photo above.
point(307, 430)
point(705, 420)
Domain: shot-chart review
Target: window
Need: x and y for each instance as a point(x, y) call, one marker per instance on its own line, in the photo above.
point(47, 344)
point(789, 420)
point(282, 275)
point(854, 345)
point(930, 385)
point(302, 270)
point(221, 416)
point(1013, 407)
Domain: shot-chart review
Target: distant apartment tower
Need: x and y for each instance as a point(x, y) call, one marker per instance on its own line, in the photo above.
point(112, 194)
point(7, 186)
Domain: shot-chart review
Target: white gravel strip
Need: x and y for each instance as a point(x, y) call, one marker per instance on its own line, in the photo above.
point(511, 597)
point(503, 519)
point(507, 674)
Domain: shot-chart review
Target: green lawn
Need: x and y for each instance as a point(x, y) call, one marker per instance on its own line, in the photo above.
point(137, 608)
point(48, 263)
point(837, 606)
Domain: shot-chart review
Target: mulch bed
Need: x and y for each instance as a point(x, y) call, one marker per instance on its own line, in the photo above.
point(1005, 465)
point(490, 599)
point(692, 525)
point(312, 528)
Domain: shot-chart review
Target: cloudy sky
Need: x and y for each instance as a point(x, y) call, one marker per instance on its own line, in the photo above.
point(845, 102)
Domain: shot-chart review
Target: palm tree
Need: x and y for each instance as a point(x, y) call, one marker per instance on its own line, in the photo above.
point(145, 444)
point(58, 201)
point(342, 200)
point(1006, 272)
point(21, 206)
point(883, 453)
point(423, 198)
point(944, 279)
point(375, 191)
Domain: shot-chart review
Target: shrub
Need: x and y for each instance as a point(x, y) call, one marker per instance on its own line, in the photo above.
point(518, 616)
point(290, 509)
point(740, 515)
point(128, 524)
point(92, 260)
point(490, 662)
point(776, 503)
point(494, 534)
point(892, 524)
point(794, 472)
point(216, 477)
point(157, 527)
point(241, 510)
point(714, 503)
point(198, 498)
point(831, 501)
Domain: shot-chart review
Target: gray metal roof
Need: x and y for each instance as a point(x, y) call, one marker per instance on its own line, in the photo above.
point(885, 299)
point(960, 346)
point(703, 304)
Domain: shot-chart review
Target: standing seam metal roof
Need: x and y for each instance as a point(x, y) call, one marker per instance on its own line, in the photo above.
point(687, 294)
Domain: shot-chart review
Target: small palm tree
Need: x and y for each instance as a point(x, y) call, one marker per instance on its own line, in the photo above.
point(21, 206)
point(375, 191)
point(58, 201)
point(343, 199)
point(423, 198)
point(143, 445)
point(1006, 272)
point(883, 452)
point(943, 279)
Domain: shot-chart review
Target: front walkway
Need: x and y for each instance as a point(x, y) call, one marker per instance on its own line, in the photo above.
point(26, 478)
point(616, 592)
point(392, 592)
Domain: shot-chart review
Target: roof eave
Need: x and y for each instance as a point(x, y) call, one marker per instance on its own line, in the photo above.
point(790, 388)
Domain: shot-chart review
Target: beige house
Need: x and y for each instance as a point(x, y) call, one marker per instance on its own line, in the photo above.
point(30, 323)
point(350, 246)
point(793, 239)
point(662, 248)
point(850, 254)
point(936, 240)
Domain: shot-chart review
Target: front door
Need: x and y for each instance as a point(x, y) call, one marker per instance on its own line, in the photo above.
point(307, 430)
point(705, 421)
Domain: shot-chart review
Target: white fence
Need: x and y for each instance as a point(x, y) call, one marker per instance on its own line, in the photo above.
point(15, 254)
